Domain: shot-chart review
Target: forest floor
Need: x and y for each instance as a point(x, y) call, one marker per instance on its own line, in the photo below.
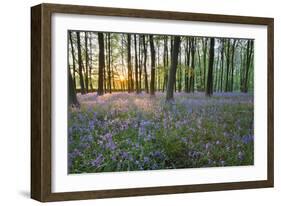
point(128, 132)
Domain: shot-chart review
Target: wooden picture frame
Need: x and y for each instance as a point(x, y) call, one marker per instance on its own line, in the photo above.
point(41, 117)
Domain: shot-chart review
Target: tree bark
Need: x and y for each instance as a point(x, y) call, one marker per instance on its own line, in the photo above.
point(144, 64)
point(222, 64)
point(136, 65)
point(152, 52)
point(101, 64)
point(130, 78)
point(86, 63)
point(209, 89)
point(109, 63)
point(80, 64)
point(73, 59)
point(173, 69)
point(227, 66)
point(232, 65)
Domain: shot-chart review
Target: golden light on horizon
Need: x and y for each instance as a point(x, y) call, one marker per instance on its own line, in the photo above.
point(122, 78)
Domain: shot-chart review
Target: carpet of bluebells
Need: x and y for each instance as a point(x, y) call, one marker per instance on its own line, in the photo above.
point(129, 132)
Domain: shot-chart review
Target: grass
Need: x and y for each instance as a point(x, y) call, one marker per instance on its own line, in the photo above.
point(129, 132)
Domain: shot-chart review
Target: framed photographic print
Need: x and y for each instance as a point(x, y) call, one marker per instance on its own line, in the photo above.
point(130, 102)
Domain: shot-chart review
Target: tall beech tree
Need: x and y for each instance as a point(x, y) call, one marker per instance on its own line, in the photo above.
point(86, 62)
point(209, 87)
point(80, 63)
point(173, 69)
point(101, 64)
point(152, 52)
point(144, 64)
point(232, 64)
point(248, 58)
point(72, 97)
point(73, 58)
point(222, 64)
point(129, 64)
point(136, 65)
point(227, 66)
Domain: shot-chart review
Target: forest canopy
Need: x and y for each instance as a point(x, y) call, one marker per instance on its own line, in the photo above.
point(117, 62)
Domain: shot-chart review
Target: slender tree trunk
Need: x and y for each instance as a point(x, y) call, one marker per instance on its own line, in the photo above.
point(222, 63)
point(200, 69)
point(192, 77)
point(72, 98)
point(140, 65)
point(91, 63)
point(188, 69)
point(216, 74)
point(180, 72)
point(165, 63)
point(173, 69)
point(109, 62)
point(209, 89)
point(232, 65)
point(204, 43)
point(136, 65)
point(101, 64)
point(152, 52)
point(248, 63)
point(80, 64)
point(227, 66)
point(73, 59)
point(144, 65)
point(86, 63)
point(130, 78)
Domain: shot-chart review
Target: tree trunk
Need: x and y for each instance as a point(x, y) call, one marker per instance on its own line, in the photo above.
point(173, 69)
point(86, 63)
point(109, 62)
point(101, 64)
point(209, 89)
point(192, 76)
point(204, 43)
point(72, 98)
point(152, 52)
point(165, 63)
point(248, 63)
point(130, 78)
point(91, 63)
point(232, 65)
point(144, 65)
point(80, 63)
point(136, 65)
point(140, 65)
point(180, 73)
point(227, 66)
point(73, 59)
point(187, 71)
point(222, 63)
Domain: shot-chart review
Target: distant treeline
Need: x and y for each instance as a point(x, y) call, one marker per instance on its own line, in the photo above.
point(107, 62)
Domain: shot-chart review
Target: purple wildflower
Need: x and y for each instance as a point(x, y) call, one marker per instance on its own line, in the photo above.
point(97, 162)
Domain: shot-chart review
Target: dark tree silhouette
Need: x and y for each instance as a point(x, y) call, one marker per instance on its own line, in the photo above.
point(101, 64)
point(209, 88)
point(222, 64)
point(144, 64)
point(73, 58)
point(152, 51)
point(136, 65)
point(173, 69)
point(80, 63)
point(227, 66)
point(130, 75)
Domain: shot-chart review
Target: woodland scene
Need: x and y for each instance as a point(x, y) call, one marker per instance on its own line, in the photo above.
point(149, 102)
